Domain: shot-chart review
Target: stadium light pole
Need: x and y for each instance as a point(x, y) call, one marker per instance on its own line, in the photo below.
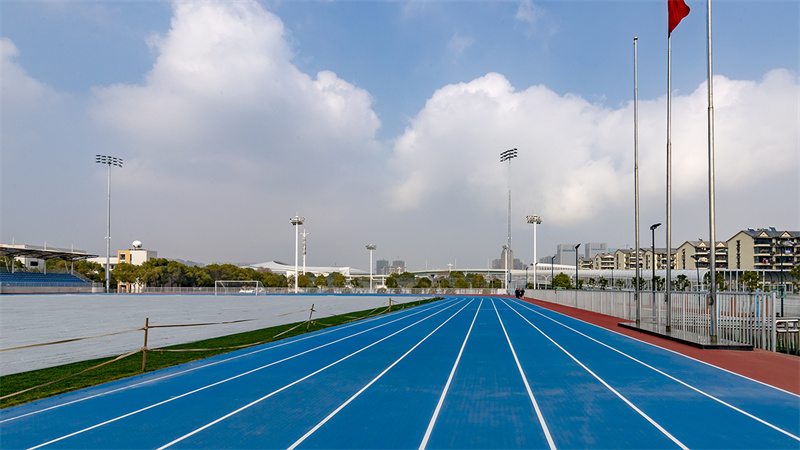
point(108, 161)
point(535, 220)
point(296, 221)
point(370, 247)
point(508, 155)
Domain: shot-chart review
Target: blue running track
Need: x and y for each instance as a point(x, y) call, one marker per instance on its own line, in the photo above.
point(464, 372)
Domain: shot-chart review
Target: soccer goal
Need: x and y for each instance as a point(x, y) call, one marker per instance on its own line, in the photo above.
point(230, 287)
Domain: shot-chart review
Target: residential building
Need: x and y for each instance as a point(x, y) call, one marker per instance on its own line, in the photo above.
point(603, 261)
point(626, 259)
point(763, 249)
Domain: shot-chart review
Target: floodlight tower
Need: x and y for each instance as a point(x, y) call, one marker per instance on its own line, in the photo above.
point(296, 221)
point(508, 155)
point(109, 161)
point(535, 220)
point(371, 248)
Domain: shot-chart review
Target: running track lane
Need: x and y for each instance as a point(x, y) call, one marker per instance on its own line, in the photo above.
point(464, 372)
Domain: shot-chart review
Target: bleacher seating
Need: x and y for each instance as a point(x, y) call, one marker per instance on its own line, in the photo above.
point(40, 279)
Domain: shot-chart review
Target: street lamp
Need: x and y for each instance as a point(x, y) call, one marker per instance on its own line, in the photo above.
point(109, 161)
point(576, 266)
point(552, 272)
point(535, 220)
point(653, 250)
point(370, 247)
point(508, 155)
point(696, 258)
point(296, 221)
point(781, 254)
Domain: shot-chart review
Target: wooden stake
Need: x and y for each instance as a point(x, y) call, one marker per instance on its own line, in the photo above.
point(308, 324)
point(144, 348)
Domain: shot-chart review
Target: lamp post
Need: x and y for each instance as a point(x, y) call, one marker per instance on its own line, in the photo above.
point(576, 266)
point(296, 221)
point(535, 220)
point(370, 247)
point(552, 272)
point(526, 276)
point(653, 250)
point(781, 254)
point(508, 155)
point(696, 258)
point(109, 161)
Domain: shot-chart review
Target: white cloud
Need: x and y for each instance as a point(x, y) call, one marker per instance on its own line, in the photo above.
point(529, 13)
point(575, 158)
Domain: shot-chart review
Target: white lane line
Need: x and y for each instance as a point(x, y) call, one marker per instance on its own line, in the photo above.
point(115, 419)
point(699, 391)
point(343, 405)
point(259, 400)
point(525, 380)
point(608, 386)
point(436, 411)
point(229, 358)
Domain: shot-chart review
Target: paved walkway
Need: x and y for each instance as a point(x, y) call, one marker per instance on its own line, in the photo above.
point(776, 369)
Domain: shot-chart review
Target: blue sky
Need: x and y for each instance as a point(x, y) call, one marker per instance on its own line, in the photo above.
point(383, 122)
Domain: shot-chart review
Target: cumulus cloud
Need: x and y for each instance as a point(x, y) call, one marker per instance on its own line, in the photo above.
point(575, 157)
point(224, 83)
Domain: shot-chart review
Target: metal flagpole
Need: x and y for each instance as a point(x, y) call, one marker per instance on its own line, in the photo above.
point(712, 300)
point(668, 290)
point(636, 298)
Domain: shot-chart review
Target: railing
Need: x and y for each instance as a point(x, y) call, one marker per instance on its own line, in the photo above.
point(743, 317)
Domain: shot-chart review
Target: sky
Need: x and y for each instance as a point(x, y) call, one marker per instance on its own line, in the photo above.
point(383, 122)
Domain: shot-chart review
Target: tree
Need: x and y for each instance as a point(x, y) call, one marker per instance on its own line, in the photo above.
point(795, 272)
point(355, 282)
point(423, 283)
point(478, 281)
point(443, 283)
point(391, 281)
point(721, 284)
point(562, 281)
point(461, 283)
point(304, 281)
point(497, 283)
point(338, 280)
point(591, 282)
point(619, 284)
point(320, 281)
point(751, 280)
point(127, 273)
point(602, 283)
point(641, 282)
point(681, 283)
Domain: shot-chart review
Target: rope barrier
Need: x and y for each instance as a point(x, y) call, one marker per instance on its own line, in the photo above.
point(69, 340)
point(144, 349)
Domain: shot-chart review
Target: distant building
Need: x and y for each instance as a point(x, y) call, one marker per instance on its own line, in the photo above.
point(397, 266)
point(136, 255)
point(382, 267)
point(500, 263)
point(565, 254)
point(592, 249)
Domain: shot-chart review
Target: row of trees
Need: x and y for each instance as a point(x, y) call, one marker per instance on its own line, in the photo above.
point(751, 280)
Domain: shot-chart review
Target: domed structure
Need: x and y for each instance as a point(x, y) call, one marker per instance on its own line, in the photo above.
point(137, 244)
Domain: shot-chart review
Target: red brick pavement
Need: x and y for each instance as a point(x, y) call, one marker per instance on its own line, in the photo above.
point(776, 369)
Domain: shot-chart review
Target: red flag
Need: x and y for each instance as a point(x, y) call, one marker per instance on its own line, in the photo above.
point(678, 9)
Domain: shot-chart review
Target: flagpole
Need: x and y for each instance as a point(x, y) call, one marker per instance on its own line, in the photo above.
point(712, 300)
point(636, 299)
point(668, 281)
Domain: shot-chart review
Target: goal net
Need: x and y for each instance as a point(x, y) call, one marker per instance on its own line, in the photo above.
point(230, 287)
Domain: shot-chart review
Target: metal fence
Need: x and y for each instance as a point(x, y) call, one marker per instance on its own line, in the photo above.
point(744, 317)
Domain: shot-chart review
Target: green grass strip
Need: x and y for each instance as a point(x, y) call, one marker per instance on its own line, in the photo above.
point(156, 360)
